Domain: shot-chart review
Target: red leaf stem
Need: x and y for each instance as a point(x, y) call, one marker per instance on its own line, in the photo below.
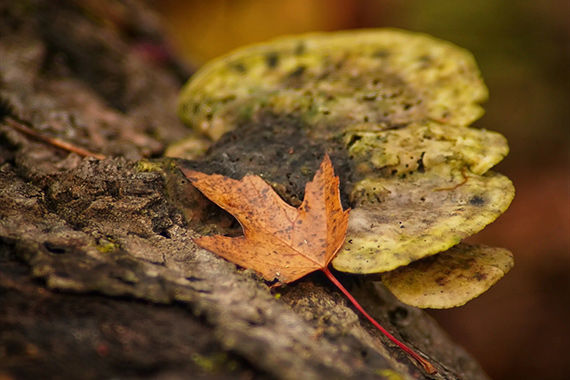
point(426, 364)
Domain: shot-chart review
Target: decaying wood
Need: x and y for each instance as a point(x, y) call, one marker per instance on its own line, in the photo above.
point(100, 277)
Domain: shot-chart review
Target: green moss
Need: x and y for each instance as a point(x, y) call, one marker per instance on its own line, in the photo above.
point(107, 245)
point(145, 166)
point(213, 363)
point(388, 374)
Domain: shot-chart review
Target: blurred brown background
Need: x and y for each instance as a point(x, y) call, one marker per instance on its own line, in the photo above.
point(519, 329)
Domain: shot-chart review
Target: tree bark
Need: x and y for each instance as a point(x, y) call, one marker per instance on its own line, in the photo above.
point(100, 277)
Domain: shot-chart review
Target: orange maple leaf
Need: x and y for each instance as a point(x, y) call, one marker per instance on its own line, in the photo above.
point(280, 241)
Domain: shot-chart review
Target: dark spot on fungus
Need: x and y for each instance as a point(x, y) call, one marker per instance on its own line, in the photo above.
point(353, 140)
point(228, 98)
point(383, 53)
point(272, 60)
point(239, 67)
point(421, 167)
point(477, 201)
point(480, 276)
point(299, 71)
point(441, 281)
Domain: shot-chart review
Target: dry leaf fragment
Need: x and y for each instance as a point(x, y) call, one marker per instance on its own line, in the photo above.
point(279, 242)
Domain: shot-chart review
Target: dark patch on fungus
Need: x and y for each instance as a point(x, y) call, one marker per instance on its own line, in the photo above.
point(480, 276)
point(298, 72)
point(272, 60)
point(382, 53)
point(421, 167)
point(239, 67)
point(477, 201)
point(441, 281)
point(353, 140)
point(275, 138)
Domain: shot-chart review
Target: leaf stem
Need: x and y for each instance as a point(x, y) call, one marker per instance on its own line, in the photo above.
point(426, 364)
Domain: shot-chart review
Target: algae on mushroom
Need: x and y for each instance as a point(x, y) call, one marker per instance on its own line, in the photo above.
point(421, 147)
point(331, 79)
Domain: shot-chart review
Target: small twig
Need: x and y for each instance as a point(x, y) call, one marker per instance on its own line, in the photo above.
point(20, 127)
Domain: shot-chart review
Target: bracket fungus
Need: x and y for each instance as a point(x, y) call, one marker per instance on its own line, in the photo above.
point(398, 105)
